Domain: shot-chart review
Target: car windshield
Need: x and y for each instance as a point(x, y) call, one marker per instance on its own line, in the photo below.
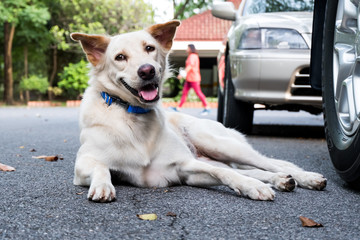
point(263, 6)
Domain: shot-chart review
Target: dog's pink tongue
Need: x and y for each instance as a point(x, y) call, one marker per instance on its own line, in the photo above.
point(149, 94)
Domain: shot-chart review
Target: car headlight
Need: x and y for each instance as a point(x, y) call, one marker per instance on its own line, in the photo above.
point(272, 38)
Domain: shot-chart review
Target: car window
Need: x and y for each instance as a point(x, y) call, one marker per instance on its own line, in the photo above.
point(263, 6)
point(271, 38)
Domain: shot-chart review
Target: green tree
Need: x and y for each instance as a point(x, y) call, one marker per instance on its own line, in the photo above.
point(91, 16)
point(186, 8)
point(34, 82)
point(28, 16)
point(35, 33)
point(108, 16)
point(74, 79)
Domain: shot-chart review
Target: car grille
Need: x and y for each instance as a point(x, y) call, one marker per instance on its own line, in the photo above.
point(301, 85)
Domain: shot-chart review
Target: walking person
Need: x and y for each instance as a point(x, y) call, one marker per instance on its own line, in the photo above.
point(193, 78)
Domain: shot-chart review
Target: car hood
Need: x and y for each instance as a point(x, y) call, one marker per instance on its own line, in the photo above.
point(300, 21)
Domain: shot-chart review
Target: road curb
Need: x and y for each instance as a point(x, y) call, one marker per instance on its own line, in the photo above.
point(76, 103)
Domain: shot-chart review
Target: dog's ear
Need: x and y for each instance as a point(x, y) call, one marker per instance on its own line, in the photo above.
point(94, 46)
point(164, 33)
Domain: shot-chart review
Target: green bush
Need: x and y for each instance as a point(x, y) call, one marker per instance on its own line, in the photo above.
point(74, 79)
point(172, 87)
point(34, 82)
point(55, 90)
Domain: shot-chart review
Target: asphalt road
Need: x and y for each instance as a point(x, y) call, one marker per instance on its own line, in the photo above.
point(39, 201)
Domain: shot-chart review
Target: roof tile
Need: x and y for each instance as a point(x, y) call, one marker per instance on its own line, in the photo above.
point(204, 27)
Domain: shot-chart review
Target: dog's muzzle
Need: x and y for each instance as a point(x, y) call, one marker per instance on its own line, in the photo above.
point(149, 91)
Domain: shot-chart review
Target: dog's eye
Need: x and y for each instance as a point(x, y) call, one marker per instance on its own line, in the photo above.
point(120, 57)
point(149, 48)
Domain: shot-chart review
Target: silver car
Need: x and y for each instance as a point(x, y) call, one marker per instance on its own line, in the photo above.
point(266, 60)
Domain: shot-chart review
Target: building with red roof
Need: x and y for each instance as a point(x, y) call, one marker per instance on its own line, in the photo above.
point(203, 30)
point(207, 33)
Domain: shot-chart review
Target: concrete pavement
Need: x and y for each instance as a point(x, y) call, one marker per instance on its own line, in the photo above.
point(39, 201)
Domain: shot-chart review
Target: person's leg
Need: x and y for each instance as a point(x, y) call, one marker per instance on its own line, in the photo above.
point(197, 89)
point(185, 92)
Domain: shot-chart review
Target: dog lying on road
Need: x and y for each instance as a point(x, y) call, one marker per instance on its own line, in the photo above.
point(125, 129)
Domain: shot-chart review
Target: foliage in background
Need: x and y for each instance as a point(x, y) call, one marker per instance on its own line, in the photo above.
point(108, 16)
point(22, 23)
point(74, 79)
point(34, 82)
point(186, 8)
point(55, 90)
point(95, 17)
point(172, 87)
point(41, 43)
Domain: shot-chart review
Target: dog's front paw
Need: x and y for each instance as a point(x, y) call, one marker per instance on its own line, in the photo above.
point(256, 190)
point(283, 182)
point(102, 192)
point(311, 180)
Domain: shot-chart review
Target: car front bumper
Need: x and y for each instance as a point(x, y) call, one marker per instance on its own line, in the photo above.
point(273, 77)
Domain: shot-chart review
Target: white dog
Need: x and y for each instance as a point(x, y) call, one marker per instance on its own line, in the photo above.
point(125, 129)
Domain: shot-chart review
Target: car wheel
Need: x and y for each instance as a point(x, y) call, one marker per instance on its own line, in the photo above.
point(236, 114)
point(341, 87)
point(220, 111)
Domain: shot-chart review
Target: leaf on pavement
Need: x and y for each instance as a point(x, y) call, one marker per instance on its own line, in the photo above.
point(171, 214)
point(307, 222)
point(6, 168)
point(151, 216)
point(48, 158)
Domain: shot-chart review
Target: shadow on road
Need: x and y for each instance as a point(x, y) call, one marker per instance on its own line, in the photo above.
point(290, 131)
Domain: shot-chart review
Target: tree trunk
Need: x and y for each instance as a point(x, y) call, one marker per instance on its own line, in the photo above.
point(181, 10)
point(53, 73)
point(26, 73)
point(9, 30)
point(26, 68)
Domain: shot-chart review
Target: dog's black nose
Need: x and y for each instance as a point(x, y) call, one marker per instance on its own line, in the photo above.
point(146, 72)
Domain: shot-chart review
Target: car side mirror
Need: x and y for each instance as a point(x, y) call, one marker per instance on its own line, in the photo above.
point(224, 10)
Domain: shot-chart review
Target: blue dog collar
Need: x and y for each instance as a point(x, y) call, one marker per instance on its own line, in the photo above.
point(130, 109)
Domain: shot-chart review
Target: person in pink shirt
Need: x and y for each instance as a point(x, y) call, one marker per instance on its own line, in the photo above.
point(193, 78)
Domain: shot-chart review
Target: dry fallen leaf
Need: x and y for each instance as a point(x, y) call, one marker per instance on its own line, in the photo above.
point(21, 147)
point(47, 158)
point(6, 168)
point(79, 193)
point(171, 214)
point(51, 158)
point(307, 222)
point(151, 216)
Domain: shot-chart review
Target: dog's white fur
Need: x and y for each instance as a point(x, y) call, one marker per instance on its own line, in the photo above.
point(161, 148)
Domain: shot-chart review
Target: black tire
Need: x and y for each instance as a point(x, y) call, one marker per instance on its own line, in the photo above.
point(344, 150)
point(236, 114)
point(220, 110)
